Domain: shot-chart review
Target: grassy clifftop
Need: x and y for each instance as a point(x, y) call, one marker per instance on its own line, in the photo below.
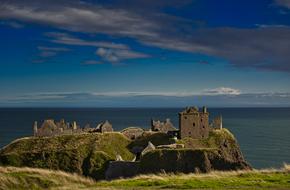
point(85, 154)
point(89, 154)
point(28, 178)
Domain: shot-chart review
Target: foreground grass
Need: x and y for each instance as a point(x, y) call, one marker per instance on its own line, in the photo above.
point(28, 178)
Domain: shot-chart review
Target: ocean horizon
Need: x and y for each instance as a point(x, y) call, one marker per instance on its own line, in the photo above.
point(262, 133)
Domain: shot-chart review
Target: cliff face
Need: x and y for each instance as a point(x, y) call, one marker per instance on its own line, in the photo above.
point(219, 151)
point(90, 154)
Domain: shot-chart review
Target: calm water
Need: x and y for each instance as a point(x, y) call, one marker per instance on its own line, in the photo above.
point(263, 133)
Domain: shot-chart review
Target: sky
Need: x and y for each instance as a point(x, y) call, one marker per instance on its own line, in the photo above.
point(144, 53)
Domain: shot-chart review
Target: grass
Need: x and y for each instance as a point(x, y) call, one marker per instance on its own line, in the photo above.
point(29, 178)
point(85, 154)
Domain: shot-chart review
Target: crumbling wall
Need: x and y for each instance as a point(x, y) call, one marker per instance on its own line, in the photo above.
point(132, 132)
point(163, 127)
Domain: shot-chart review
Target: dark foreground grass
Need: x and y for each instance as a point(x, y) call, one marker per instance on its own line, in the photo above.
point(28, 178)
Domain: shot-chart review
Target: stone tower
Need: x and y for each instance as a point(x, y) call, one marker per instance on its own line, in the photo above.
point(74, 125)
point(193, 123)
point(35, 129)
point(218, 122)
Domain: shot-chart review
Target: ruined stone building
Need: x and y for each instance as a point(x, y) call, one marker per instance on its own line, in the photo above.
point(132, 132)
point(164, 127)
point(51, 128)
point(194, 123)
point(104, 127)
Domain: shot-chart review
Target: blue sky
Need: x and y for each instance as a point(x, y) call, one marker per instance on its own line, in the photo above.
point(133, 53)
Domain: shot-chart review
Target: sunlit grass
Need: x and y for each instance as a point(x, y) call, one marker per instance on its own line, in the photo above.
point(254, 179)
point(31, 178)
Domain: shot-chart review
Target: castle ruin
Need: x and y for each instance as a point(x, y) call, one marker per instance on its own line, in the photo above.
point(51, 128)
point(194, 123)
point(164, 127)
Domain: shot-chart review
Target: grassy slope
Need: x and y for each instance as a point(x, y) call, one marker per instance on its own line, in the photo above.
point(111, 143)
point(85, 154)
point(28, 178)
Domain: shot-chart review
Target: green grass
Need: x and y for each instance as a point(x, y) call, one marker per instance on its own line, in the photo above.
point(86, 154)
point(264, 179)
point(29, 178)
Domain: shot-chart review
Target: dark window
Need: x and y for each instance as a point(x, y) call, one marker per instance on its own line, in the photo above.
point(193, 124)
point(185, 117)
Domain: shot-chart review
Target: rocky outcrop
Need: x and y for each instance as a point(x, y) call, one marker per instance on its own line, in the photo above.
point(95, 154)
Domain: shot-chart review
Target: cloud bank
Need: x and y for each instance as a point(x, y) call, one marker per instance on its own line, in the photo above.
point(147, 99)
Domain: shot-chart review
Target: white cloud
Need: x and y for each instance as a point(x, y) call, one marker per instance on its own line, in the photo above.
point(58, 49)
point(64, 38)
point(150, 99)
point(81, 18)
point(284, 3)
point(222, 91)
point(51, 51)
point(116, 55)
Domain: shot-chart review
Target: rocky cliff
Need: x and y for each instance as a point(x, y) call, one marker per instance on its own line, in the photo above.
point(220, 151)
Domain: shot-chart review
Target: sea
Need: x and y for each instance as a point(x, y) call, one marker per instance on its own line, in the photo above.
point(262, 133)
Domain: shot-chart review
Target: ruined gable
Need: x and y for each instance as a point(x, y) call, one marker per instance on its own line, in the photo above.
point(163, 127)
point(105, 127)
